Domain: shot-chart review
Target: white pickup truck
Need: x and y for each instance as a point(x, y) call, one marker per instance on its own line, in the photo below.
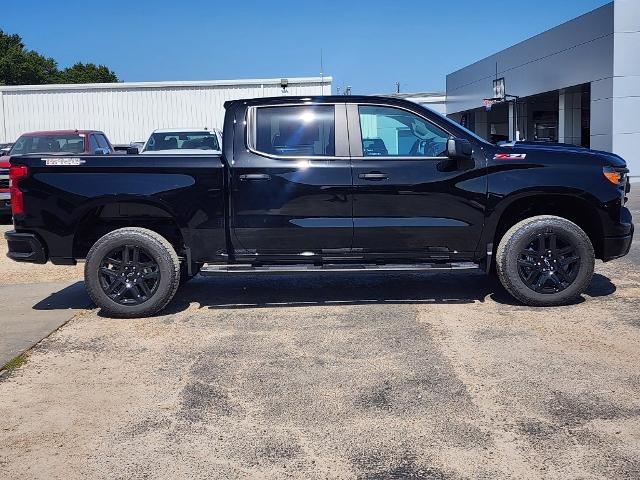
point(183, 141)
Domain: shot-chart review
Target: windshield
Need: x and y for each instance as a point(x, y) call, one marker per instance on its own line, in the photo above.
point(48, 144)
point(182, 141)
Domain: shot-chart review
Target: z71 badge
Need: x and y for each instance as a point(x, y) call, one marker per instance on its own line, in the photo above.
point(510, 156)
point(62, 162)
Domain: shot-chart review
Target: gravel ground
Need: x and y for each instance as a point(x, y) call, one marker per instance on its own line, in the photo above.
point(438, 376)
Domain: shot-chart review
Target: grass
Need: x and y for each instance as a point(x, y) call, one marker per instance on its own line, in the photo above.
point(15, 362)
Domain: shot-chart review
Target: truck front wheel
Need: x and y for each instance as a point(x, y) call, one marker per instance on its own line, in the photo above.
point(545, 261)
point(132, 272)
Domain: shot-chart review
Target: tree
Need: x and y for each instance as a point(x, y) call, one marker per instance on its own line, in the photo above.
point(87, 73)
point(20, 66)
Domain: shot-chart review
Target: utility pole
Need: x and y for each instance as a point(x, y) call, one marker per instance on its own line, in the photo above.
point(397, 87)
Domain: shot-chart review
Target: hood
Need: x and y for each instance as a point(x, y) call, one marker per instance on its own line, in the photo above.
point(559, 150)
point(195, 151)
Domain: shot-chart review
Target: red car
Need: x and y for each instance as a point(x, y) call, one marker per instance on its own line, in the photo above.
point(57, 142)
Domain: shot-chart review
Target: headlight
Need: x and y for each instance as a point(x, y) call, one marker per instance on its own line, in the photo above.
point(617, 176)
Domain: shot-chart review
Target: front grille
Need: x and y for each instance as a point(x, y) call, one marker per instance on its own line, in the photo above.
point(4, 183)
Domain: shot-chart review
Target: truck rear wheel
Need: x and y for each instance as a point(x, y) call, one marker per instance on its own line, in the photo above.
point(132, 272)
point(545, 261)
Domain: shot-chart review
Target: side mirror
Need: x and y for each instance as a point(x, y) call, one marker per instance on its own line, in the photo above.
point(459, 148)
point(132, 151)
point(101, 151)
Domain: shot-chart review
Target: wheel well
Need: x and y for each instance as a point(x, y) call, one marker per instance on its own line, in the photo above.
point(573, 209)
point(106, 218)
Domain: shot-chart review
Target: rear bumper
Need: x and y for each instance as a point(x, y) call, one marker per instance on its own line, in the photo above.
point(25, 247)
point(616, 247)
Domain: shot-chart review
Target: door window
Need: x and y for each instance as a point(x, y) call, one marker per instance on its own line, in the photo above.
point(102, 141)
point(297, 131)
point(93, 144)
point(392, 132)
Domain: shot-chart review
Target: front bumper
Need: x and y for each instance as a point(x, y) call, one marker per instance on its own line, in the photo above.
point(25, 247)
point(616, 247)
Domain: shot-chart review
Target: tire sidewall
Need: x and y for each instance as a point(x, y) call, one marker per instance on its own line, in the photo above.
point(152, 247)
point(524, 235)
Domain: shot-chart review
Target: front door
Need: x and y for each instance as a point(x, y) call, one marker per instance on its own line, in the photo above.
point(409, 197)
point(291, 183)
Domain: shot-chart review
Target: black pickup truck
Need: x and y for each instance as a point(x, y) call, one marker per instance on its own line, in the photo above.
point(324, 184)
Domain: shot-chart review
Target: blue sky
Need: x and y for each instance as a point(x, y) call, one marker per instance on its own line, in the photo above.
point(368, 45)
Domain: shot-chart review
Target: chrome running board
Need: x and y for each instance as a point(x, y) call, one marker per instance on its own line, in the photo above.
point(211, 270)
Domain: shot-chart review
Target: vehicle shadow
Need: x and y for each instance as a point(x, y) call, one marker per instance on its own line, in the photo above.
point(302, 290)
point(73, 297)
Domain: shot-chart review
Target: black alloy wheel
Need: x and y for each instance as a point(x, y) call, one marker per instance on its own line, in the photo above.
point(549, 263)
point(129, 275)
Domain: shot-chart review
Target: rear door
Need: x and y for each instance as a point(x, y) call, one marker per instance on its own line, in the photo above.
point(410, 199)
point(291, 187)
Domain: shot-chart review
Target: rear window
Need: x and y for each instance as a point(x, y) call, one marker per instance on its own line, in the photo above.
point(48, 144)
point(296, 131)
point(182, 141)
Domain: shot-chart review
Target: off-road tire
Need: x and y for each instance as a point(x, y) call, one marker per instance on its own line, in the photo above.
point(157, 247)
point(519, 236)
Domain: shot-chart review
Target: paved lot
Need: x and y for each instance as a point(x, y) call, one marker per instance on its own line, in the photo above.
point(380, 377)
point(36, 300)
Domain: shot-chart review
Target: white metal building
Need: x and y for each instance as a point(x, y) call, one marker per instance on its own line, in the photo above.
point(436, 101)
point(128, 112)
point(577, 83)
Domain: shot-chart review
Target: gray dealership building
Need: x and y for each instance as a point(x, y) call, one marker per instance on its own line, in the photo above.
point(577, 83)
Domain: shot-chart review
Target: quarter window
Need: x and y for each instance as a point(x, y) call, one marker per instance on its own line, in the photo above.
point(393, 132)
point(297, 131)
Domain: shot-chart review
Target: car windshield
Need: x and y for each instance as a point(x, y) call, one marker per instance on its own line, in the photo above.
point(48, 144)
point(182, 141)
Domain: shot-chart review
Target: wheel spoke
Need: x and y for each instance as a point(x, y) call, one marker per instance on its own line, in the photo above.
point(525, 262)
point(150, 275)
point(542, 280)
point(144, 287)
point(542, 245)
point(565, 251)
point(109, 272)
point(136, 255)
point(117, 294)
point(553, 242)
point(136, 293)
point(565, 262)
point(561, 274)
point(530, 276)
point(126, 255)
point(555, 280)
point(112, 261)
point(117, 282)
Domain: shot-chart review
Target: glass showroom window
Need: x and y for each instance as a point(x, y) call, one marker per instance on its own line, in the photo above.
point(398, 133)
point(298, 131)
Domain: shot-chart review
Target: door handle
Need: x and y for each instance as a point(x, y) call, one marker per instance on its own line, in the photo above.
point(255, 177)
point(373, 176)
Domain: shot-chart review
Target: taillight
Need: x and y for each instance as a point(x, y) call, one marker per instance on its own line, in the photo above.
point(17, 173)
